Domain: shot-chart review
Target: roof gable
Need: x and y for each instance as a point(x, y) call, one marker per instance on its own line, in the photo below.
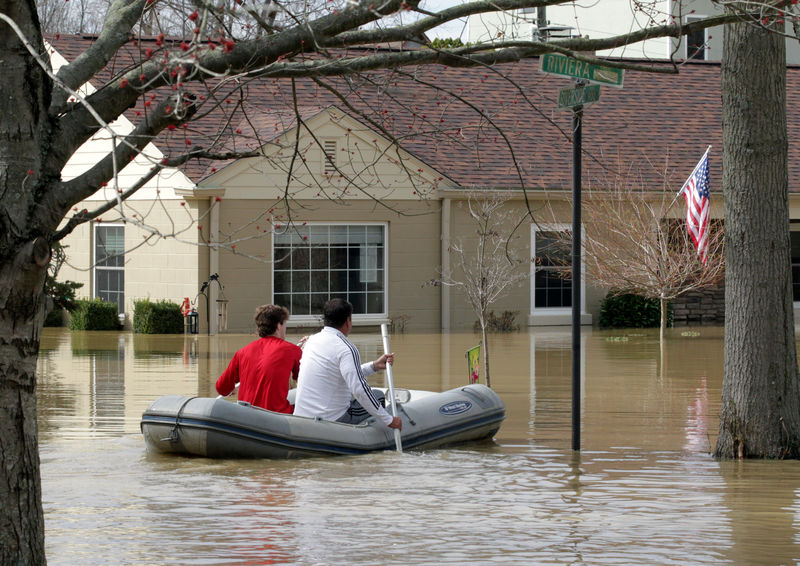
point(331, 155)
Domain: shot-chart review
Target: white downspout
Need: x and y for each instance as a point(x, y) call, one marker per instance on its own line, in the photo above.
point(213, 265)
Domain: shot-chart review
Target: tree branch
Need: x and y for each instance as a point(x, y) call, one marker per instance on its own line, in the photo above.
point(121, 17)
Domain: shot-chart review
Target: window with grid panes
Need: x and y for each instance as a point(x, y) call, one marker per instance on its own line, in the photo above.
point(317, 262)
point(553, 258)
point(109, 269)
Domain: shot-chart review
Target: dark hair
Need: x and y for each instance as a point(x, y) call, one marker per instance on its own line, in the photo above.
point(336, 312)
point(268, 317)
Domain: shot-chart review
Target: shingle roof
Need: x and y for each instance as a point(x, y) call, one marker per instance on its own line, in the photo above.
point(494, 127)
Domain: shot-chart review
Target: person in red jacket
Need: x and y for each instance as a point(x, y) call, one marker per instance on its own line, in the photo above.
point(263, 367)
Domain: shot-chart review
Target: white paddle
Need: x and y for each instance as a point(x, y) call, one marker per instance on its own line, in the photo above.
point(385, 336)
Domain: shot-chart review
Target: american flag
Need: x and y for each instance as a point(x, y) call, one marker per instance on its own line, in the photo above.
point(695, 191)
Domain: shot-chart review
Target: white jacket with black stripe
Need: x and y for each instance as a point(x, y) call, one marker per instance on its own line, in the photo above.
point(331, 373)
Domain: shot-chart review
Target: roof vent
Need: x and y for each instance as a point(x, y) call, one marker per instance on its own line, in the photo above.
point(329, 157)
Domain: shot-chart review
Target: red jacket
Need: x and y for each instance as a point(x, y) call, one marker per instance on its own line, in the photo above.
point(262, 369)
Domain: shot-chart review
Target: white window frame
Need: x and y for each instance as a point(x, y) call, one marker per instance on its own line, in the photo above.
point(357, 318)
point(690, 19)
point(553, 311)
point(95, 291)
point(792, 230)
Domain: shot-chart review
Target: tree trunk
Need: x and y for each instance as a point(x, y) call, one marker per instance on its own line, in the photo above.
point(26, 221)
point(485, 348)
point(663, 326)
point(21, 318)
point(760, 414)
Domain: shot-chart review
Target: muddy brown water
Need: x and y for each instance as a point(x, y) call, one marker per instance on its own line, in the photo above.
point(643, 489)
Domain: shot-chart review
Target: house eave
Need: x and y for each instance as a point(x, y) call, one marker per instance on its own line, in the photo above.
point(200, 193)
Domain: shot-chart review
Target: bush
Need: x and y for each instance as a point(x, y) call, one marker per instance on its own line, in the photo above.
point(162, 317)
point(632, 311)
point(94, 315)
point(62, 293)
point(506, 322)
point(55, 317)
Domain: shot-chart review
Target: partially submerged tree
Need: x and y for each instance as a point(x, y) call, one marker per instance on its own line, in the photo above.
point(486, 266)
point(760, 413)
point(45, 120)
point(635, 242)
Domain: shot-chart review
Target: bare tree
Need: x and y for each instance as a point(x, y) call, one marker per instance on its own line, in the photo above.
point(77, 16)
point(165, 90)
point(634, 244)
point(486, 267)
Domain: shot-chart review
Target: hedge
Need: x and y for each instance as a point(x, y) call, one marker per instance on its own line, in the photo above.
point(632, 311)
point(162, 317)
point(94, 315)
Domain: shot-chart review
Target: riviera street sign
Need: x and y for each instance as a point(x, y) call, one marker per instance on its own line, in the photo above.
point(557, 64)
point(582, 95)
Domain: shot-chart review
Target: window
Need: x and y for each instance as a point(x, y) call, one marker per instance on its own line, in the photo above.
point(553, 253)
point(795, 240)
point(314, 263)
point(696, 47)
point(109, 270)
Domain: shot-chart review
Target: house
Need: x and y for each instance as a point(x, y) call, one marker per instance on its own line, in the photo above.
point(362, 193)
point(616, 17)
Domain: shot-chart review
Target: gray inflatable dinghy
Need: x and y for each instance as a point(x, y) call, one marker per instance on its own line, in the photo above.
point(216, 428)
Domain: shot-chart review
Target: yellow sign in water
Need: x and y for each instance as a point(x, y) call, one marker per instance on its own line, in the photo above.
point(473, 361)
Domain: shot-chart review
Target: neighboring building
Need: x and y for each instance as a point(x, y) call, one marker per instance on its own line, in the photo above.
point(610, 18)
point(379, 247)
point(103, 256)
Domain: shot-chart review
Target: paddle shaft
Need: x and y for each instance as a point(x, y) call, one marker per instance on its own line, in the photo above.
point(385, 335)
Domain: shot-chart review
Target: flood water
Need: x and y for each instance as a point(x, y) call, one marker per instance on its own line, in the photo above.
point(643, 489)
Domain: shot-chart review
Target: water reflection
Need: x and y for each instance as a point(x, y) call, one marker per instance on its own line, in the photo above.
point(643, 490)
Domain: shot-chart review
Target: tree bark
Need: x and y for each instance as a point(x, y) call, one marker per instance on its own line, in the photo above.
point(24, 254)
point(485, 346)
point(760, 415)
point(21, 318)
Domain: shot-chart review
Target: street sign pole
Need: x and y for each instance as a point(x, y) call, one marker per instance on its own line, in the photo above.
point(583, 72)
point(577, 126)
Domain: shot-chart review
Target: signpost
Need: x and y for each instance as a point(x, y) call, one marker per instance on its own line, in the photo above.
point(556, 64)
point(576, 98)
point(579, 95)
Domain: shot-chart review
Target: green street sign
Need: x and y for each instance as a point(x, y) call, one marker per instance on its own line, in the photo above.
point(578, 96)
point(557, 64)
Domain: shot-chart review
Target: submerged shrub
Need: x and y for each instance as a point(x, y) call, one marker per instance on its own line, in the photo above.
point(632, 311)
point(161, 317)
point(506, 322)
point(94, 314)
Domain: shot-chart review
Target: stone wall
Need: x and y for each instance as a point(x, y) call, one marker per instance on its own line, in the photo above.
point(706, 306)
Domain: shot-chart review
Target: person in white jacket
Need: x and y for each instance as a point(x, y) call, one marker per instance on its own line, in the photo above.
point(331, 373)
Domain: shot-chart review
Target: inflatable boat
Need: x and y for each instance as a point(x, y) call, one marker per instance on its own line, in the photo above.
point(218, 428)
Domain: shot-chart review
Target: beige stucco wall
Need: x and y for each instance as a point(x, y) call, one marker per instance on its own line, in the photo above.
point(549, 209)
point(372, 182)
point(413, 253)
